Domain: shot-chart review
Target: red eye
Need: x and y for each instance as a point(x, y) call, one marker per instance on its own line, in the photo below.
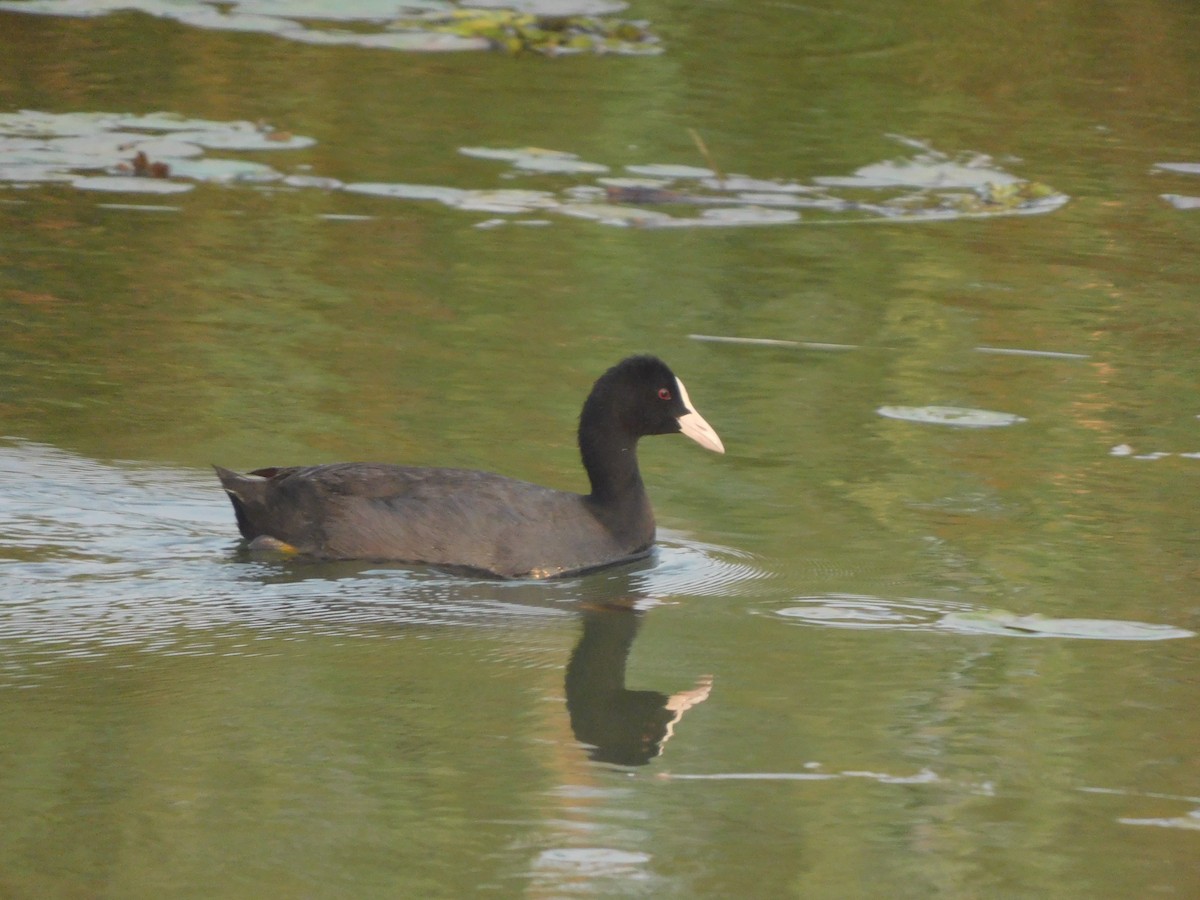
point(664, 394)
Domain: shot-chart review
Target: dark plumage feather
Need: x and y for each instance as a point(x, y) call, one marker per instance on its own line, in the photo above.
point(476, 520)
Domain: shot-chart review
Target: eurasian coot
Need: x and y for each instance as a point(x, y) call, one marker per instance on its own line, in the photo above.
point(477, 521)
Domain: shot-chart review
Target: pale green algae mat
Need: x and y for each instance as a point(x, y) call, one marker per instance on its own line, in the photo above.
point(162, 153)
point(548, 27)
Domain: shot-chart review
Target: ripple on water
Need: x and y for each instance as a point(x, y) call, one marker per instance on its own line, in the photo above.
point(590, 870)
point(863, 611)
point(687, 568)
point(101, 555)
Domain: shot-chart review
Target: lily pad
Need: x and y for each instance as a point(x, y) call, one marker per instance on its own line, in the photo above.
point(959, 416)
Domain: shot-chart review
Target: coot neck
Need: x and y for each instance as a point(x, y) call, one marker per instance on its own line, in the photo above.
point(610, 458)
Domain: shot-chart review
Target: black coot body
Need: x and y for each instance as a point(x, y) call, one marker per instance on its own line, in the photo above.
point(464, 519)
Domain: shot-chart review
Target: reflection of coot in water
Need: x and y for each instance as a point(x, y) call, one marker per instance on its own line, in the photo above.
point(625, 727)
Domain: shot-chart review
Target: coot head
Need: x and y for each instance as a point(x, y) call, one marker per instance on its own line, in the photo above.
point(641, 396)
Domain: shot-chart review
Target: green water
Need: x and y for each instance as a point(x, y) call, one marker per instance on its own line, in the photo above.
point(178, 719)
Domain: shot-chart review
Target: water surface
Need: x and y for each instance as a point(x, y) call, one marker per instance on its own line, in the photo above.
point(874, 655)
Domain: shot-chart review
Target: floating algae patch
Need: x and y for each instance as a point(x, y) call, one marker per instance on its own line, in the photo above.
point(493, 201)
point(926, 185)
point(505, 201)
point(46, 148)
point(662, 170)
point(545, 27)
point(512, 154)
point(736, 215)
point(560, 166)
point(406, 191)
point(612, 214)
point(536, 159)
point(138, 154)
point(224, 171)
point(560, 32)
point(932, 184)
point(130, 185)
point(26, 174)
point(245, 136)
point(313, 181)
